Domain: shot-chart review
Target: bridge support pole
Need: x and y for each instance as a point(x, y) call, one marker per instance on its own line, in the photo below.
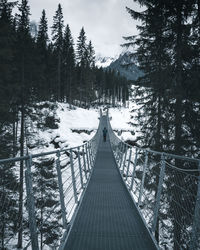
point(121, 160)
point(73, 177)
point(87, 156)
point(143, 178)
point(31, 204)
point(134, 167)
point(93, 149)
point(118, 152)
point(90, 155)
point(158, 195)
point(84, 163)
point(80, 169)
point(129, 162)
point(196, 227)
point(124, 163)
point(60, 185)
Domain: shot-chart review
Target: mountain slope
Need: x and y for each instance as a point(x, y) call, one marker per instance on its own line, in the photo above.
point(126, 67)
point(122, 64)
point(104, 62)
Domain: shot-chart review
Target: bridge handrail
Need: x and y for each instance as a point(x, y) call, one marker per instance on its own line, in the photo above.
point(168, 155)
point(166, 191)
point(26, 157)
point(70, 170)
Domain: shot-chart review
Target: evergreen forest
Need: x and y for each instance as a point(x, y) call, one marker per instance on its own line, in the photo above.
point(168, 51)
point(48, 68)
point(37, 71)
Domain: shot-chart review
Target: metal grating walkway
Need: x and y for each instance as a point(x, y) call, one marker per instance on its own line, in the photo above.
point(107, 218)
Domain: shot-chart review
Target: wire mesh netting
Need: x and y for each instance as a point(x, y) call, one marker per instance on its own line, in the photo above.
point(166, 190)
point(39, 195)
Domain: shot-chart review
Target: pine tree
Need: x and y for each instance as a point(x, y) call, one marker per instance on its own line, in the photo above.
point(9, 204)
point(46, 191)
point(89, 73)
point(68, 64)
point(23, 46)
point(81, 51)
point(8, 180)
point(42, 57)
point(180, 11)
point(154, 61)
point(91, 55)
point(81, 57)
point(164, 54)
point(42, 37)
point(57, 37)
point(7, 40)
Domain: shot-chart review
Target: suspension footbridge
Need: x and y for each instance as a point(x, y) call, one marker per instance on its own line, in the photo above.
point(101, 195)
point(107, 218)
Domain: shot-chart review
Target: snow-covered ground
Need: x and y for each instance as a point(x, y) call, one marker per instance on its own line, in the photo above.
point(74, 127)
point(121, 120)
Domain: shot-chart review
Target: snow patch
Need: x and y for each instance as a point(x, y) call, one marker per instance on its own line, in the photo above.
point(72, 127)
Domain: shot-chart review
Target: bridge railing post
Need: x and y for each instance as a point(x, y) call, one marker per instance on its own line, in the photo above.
point(118, 152)
point(90, 154)
point(73, 176)
point(143, 179)
point(122, 156)
point(80, 168)
point(88, 159)
point(94, 150)
point(60, 185)
point(124, 163)
point(84, 162)
point(196, 227)
point(31, 204)
point(134, 167)
point(129, 162)
point(158, 195)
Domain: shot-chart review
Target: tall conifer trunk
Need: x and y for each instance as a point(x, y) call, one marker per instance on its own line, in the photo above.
point(20, 225)
point(59, 75)
point(158, 148)
point(178, 122)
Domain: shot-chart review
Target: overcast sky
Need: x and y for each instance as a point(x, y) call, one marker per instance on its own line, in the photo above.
point(105, 21)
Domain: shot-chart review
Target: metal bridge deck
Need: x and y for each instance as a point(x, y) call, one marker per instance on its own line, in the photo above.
point(107, 218)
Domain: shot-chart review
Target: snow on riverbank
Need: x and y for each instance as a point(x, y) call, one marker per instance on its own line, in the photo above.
point(74, 127)
point(121, 122)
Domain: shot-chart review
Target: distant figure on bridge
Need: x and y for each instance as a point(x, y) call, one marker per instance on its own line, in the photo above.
point(104, 134)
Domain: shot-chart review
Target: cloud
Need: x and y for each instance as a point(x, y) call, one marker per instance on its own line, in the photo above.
point(105, 21)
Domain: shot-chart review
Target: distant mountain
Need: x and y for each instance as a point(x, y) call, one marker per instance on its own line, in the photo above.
point(126, 67)
point(33, 29)
point(118, 63)
point(104, 62)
